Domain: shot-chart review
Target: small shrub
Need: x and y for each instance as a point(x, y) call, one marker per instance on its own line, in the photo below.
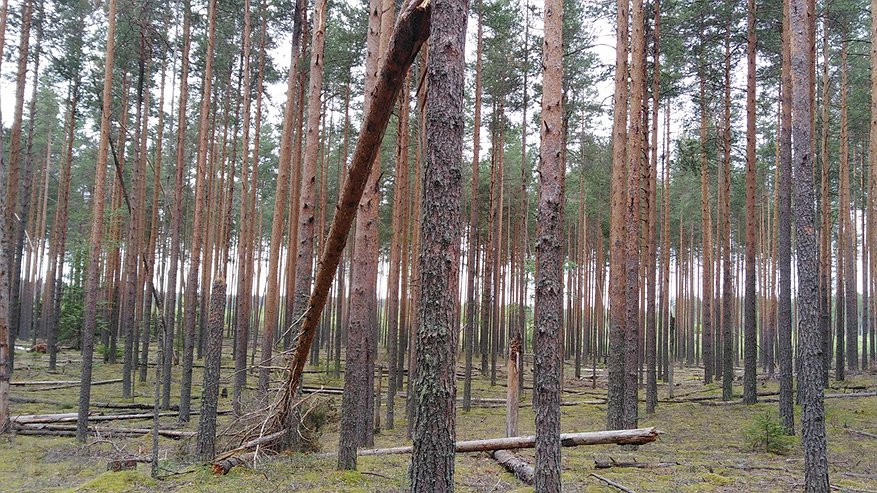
point(766, 434)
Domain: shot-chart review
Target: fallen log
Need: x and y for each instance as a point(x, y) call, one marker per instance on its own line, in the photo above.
point(221, 467)
point(611, 483)
point(65, 384)
point(515, 465)
point(42, 418)
point(25, 419)
point(70, 430)
point(106, 405)
point(607, 464)
point(637, 436)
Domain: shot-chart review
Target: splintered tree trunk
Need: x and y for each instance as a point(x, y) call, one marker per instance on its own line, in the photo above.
point(432, 461)
point(810, 377)
point(210, 395)
point(176, 217)
point(749, 309)
point(784, 238)
point(615, 404)
point(549, 257)
point(197, 218)
point(97, 224)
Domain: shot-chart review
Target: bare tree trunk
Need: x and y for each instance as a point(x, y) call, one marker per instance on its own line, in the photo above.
point(400, 199)
point(432, 461)
point(176, 215)
point(751, 338)
point(810, 377)
point(632, 219)
point(617, 235)
point(549, 256)
point(727, 270)
point(784, 238)
point(190, 305)
point(472, 246)
point(97, 216)
point(651, 261)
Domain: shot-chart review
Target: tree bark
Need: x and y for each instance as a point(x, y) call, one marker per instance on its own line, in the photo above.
point(810, 377)
point(784, 238)
point(751, 338)
point(432, 462)
point(190, 305)
point(549, 257)
point(97, 223)
point(617, 238)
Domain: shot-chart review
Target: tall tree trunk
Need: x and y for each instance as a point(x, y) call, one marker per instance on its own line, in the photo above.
point(357, 391)
point(97, 224)
point(617, 238)
point(784, 238)
point(190, 303)
point(432, 461)
point(651, 261)
point(810, 377)
point(632, 218)
point(845, 210)
point(706, 228)
point(472, 247)
point(749, 308)
point(727, 270)
point(400, 199)
point(176, 214)
point(549, 256)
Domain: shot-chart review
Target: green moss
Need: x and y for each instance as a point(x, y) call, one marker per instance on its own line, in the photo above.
point(717, 479)
point(116, 482)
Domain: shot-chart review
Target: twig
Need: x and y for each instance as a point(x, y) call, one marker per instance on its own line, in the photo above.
point(611, 483)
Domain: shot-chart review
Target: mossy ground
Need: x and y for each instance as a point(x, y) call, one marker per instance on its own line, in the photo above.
point(707, 442)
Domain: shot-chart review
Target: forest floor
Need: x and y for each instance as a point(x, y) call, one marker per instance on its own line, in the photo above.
point(706, 444)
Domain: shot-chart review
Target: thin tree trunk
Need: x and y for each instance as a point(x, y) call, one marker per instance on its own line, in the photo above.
point(751, 341)
point(197, 218)
point(97, 216)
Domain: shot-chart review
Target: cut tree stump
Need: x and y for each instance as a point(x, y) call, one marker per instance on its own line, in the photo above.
point(221, 467)
point(515, 465)
point(127, 463)
point(637, 436)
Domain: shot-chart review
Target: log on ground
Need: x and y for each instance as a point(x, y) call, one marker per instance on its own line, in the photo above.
point(515, 465)
point(638, 436)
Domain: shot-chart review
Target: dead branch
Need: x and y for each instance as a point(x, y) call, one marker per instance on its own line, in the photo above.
point(611, 483)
